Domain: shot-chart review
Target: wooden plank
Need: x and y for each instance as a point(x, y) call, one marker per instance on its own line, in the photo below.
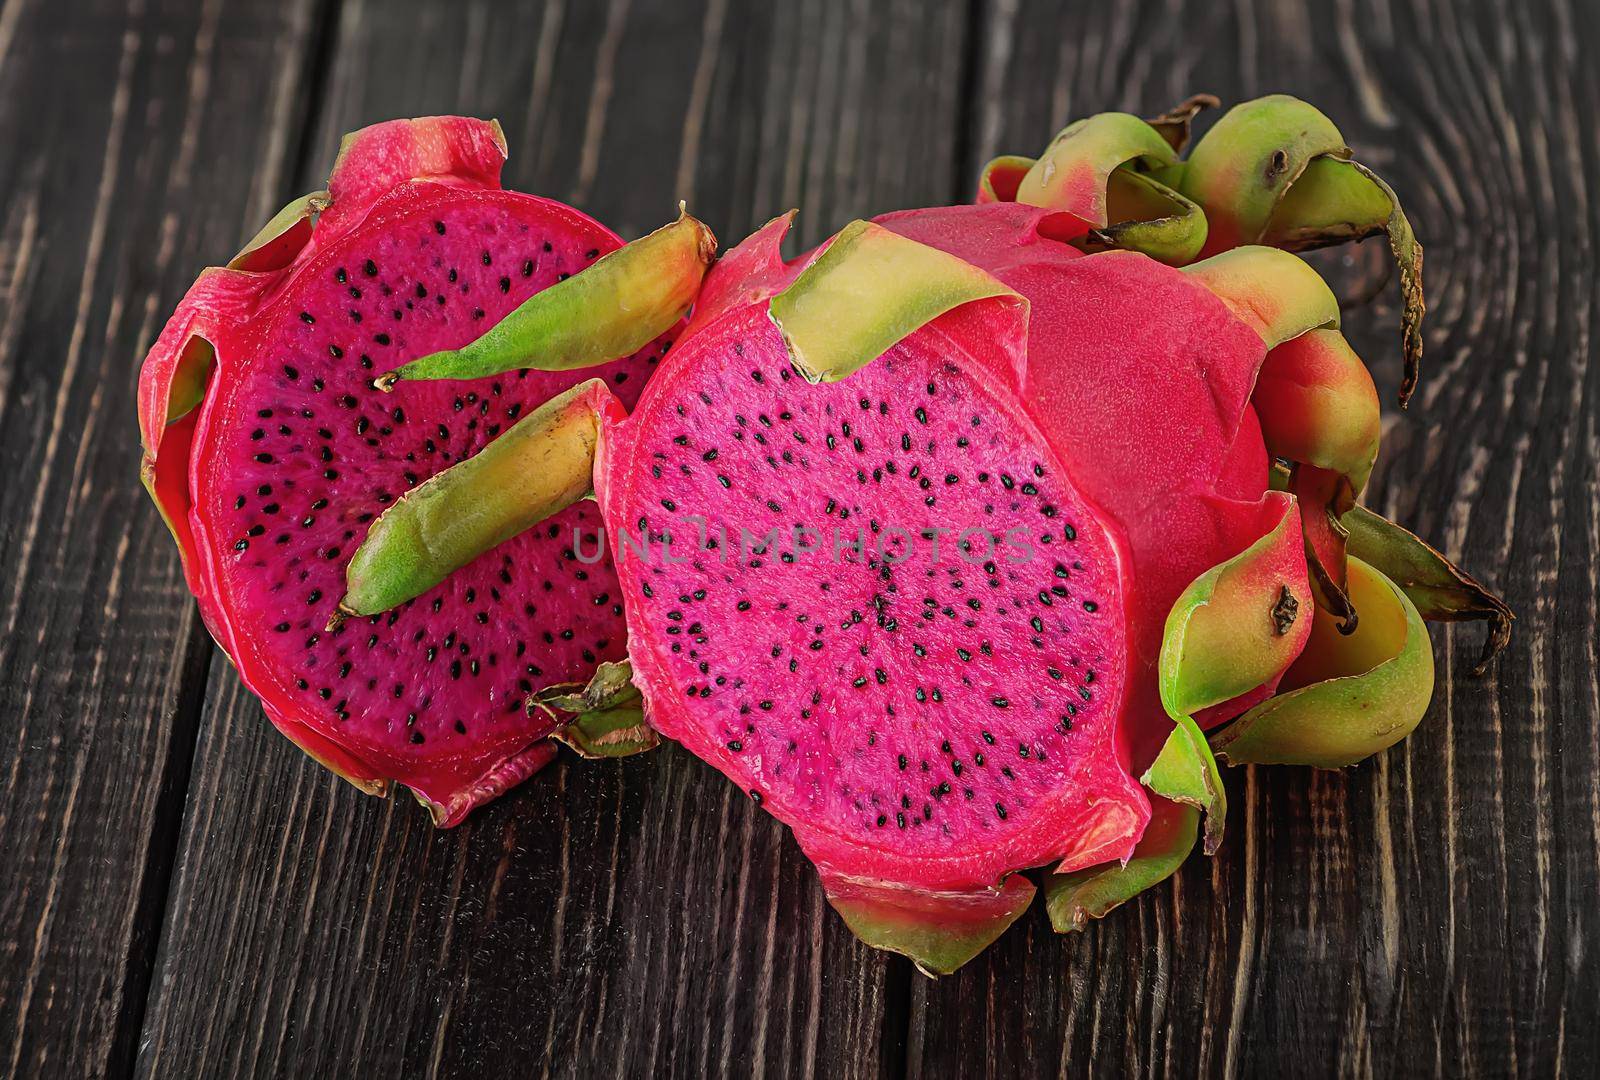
point(115, 118)
point(1432, 911)
point(639, 917)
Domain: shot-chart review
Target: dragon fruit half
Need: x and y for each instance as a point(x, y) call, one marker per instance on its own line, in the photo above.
point(269, 451)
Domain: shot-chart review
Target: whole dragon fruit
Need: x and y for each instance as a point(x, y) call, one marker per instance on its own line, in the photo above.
point(269, 451)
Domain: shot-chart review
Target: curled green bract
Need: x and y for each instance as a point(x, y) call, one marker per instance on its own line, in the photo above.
point(1236, 626)
point(606, 713)
point(1348, 696)
point(1440, 590)
point(542, 464)
point(1276, 294)
point(1277, 171)
point(869, 289)
point(1148, 216)
point(612, 308)
point(1073, 899)
point(1111, 172)
point(1186, 772)
point(1074, 169)
point(1241, 169)
point(939, 931)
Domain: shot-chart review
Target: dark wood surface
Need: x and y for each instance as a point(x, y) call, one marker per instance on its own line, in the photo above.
point(185, 894)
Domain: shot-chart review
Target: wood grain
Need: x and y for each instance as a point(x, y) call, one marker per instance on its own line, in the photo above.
point(122, 162)
point(188, 895)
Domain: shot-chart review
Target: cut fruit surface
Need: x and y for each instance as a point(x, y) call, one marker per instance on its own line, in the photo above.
point(944, 720)
point(284, 453)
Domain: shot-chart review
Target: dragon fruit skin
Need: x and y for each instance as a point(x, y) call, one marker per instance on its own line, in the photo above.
point(394, 259)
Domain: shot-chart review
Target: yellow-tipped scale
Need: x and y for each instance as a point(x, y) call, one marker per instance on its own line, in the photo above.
point(612, 308)
point(1348, 696)
point(869, 289)
point(543, 464)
